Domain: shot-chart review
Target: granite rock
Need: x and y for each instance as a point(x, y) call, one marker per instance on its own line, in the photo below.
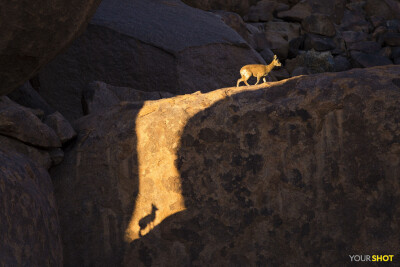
point(29, 226)
point(300, 170)
point(32, 33)
point(20, 123)
point(182, 51)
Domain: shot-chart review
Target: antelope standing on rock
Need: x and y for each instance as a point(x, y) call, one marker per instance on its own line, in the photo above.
point(258, 71)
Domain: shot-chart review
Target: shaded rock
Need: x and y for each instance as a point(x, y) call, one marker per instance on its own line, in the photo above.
point(334, 9)
point(377, 21)
point(341, 63)
point(379, 8)
point(295, 45)
point(264, 10)
point(362, 60)
point(319, 24)
point(234, 21)
point(318, 43)
point(125, 46)
point(287, 30)
point(238, 6)
point(26, 96)
point(297, 13)
point(396, 61)
point(368, 47)
point(386, 52)
point(392, 39)
point(29, 227)
point(315, 62)
point(277, 43)
point(57, 156)
point(379, 34)
point(280, 74)
point(354, 37)
point(32, 34)
point(61, 126)
point(99, 96)
point(38, 156)
point(395, 52)
point(355, 21)
point(267, 54)
point(393, 25)
point(300, 71)
point(260, 42)
point(20, 123)
point(288, 160)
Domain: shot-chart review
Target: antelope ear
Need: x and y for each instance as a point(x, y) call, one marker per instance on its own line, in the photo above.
point(275, 57)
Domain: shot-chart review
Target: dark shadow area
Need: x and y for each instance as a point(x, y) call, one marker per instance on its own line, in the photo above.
point(96, 187)
point(281, 181)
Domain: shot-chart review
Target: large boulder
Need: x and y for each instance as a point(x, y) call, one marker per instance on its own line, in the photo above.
point(29, 228)
point(33, 33)
point(22, 124)
point(148, 46)
point(301, 170)
point(238, 6)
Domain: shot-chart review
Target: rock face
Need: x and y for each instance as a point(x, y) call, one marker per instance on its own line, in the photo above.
point(33, 33)
point(20, 123)
point(237, 6)
point(29, 229)
point(301, 170)
point(183, 50)
point(99, 96)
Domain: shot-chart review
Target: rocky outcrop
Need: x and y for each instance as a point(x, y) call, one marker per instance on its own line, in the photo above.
point(22, 124)
point(32, 34)
point(301, 170)
point(99, 96)
point(22, 131)
point(238, 6)
point(29, 228)
point(183, 50)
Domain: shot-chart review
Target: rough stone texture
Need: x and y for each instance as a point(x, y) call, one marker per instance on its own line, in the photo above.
point(380, 8)
point(26, 96)
point(236, 22)
point(315, 62)
point(392, 39)
point(319, 24)
point(362, 60)
point(297, 13)
point(353, 36)
point(368, 47)
point(32, 33)
point(99, 96)
point(40, 157)
point(29, 227)
point(355, 21)
point(264, 10)
point(302, 170)
point(341, 63)
point(20, 123)
point(61, 126)
point(318, 43)
point(238, 6)
point(184, 50)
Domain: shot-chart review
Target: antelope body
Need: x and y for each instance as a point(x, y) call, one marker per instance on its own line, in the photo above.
point(257, 70)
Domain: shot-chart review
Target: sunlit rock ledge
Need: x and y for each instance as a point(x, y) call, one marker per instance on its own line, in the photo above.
point(302, 170)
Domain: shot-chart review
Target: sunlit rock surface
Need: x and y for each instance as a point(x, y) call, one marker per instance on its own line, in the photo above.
point(29, 228)
point(303, 170)
point(33, 32)
point(149, 46)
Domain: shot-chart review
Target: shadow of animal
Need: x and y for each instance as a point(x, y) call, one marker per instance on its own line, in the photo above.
point(148, 220)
